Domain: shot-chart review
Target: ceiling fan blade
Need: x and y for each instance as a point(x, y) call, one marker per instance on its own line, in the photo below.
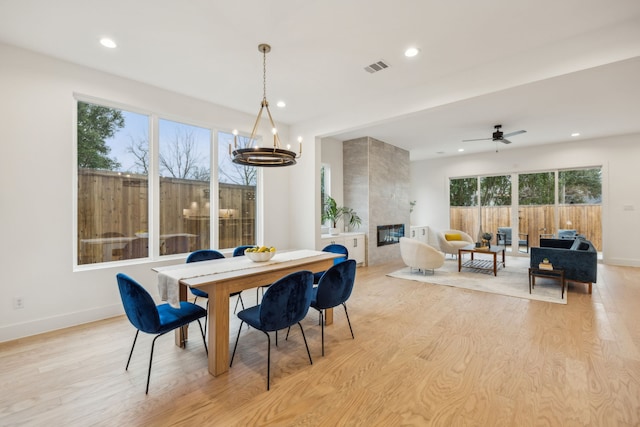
point(518, 132)
point(505, 141)
point(481, 139)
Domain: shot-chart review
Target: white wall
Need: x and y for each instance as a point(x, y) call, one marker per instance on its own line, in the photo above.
point(37, 110)
point(619, 157)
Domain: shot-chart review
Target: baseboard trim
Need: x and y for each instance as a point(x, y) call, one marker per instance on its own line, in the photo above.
point(40, 326)
point(622, 262)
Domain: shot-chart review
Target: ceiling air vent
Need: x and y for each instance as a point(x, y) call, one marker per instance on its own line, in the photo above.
point(376, 66)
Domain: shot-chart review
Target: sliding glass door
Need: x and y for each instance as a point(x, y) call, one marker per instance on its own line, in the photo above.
point(495, 201)
point(541, 204)
point(537, 207)
point(463, 205)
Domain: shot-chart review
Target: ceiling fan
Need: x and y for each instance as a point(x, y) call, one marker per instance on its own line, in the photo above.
point(498, 135)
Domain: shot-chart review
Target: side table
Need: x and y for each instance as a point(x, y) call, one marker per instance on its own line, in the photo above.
point(557, 274)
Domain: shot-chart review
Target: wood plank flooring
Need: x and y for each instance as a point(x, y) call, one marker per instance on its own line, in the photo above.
point(422, 355)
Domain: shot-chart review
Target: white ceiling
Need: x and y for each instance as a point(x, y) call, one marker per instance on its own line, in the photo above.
point(550, 67)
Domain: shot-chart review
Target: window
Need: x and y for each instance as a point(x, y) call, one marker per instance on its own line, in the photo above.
point(325, 186)
point(495, 200)
point(113, 185)
point(463, 204)
point(237, 191)
point(547, 202)
point(185, 176)
point(537, 204)
point(580, 202)
point(116, 175)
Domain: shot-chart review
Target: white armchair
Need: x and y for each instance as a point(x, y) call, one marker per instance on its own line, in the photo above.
point(457, 239)
point(419, 255)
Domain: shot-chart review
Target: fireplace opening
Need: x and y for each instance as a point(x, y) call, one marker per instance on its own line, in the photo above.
point(390, 234)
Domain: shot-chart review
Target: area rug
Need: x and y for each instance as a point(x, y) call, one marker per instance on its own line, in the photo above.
point(511, 281)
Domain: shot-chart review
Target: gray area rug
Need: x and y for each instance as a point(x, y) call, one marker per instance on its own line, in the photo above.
point(511, 281)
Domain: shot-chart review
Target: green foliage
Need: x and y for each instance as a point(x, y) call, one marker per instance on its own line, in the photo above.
point(580, 186)
point(495, 190)
point(332, 212)
point(536, 188)
point(462, 192)
point(96, 124)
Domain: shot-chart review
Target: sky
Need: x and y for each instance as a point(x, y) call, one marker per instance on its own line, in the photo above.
point(136, 129)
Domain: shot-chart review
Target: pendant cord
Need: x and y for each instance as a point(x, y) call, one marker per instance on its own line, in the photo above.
point(264, 73)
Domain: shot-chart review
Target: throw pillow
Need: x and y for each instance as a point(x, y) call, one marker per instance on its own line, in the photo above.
point(452, 236)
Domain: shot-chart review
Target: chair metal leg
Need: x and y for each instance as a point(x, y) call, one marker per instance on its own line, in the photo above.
point(153, 343)
point(206, 317)
point(239, 300)
point(305, 343)
point(268, 360)
point(236, 345)
point(206, 349)
point(348, 321)
point(322, 329)
point(131, 352)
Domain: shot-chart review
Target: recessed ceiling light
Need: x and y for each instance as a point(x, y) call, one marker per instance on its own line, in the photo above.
point(281, 104)
point(575, 134)
point(107, 42)
point(460, 150)
point(411, 52)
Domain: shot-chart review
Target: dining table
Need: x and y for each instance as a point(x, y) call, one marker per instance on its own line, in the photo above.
point(221, 277)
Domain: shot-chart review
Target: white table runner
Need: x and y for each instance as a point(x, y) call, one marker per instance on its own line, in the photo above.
point(169, 277)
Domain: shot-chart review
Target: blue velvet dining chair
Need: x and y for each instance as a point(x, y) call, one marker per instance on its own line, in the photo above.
point(334, 288)
point(336, 249)
point(154, 319)
point(285, 303)
point(207, 255)
point(239, 251)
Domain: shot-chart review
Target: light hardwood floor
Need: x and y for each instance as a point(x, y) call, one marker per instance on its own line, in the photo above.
point(422, 355)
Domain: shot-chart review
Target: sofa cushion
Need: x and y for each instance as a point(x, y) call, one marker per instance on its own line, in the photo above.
point(452, 236)
point(556, 243)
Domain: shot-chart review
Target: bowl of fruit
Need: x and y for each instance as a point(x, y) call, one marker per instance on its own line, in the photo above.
point(260, 253)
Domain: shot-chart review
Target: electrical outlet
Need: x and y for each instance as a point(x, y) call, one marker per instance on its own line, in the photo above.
point(18, 303)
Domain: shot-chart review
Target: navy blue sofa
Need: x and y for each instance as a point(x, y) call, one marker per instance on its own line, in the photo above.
point(577, 257)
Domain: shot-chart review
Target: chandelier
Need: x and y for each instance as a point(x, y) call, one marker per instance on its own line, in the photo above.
point(253, 155)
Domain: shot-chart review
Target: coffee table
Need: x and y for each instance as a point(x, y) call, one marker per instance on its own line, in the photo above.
point(482, 264)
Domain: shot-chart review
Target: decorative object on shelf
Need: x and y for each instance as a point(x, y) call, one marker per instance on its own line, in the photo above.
point(486, 239)
point(260, 253)
point(332, 212)
point(253, 155)
point(545, 265)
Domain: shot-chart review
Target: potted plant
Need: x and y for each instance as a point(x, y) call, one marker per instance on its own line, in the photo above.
point(333, 213)
point(486, 237)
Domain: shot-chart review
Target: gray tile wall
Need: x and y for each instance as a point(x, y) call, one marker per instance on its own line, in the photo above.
point(376, 185)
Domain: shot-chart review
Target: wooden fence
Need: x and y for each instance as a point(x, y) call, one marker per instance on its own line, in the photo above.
point(111, 204)
point(534, 220)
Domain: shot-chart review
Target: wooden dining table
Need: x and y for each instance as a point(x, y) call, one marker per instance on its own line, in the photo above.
point(238, 275)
